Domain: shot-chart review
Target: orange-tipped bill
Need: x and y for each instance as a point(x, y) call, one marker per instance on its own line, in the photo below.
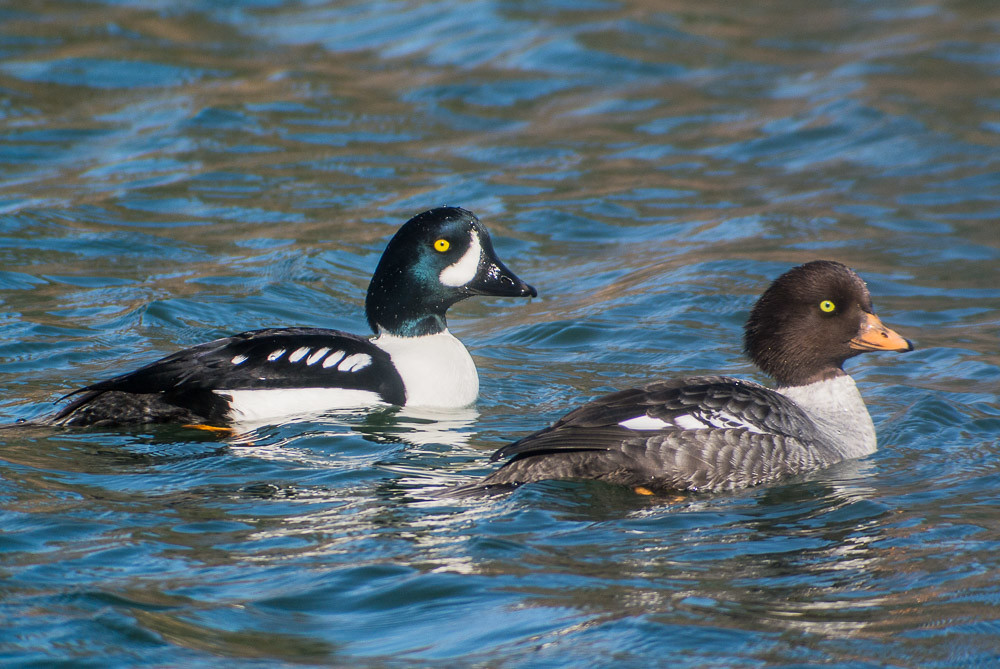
point(873, 336)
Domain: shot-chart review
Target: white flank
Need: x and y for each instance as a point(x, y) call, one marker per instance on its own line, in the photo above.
point(355, 362)
point(646, 423)
point(238, 359)
point(273, 403)
point(437, 370)
point(465, 268)
point(274, 355)
point(298, 354)
point(312, 359)
point(332, 359)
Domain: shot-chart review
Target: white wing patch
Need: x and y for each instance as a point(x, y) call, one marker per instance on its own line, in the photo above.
point(465, 268)
point(239, 359)
point(351, 363)
point(692, 421)
point(645, 422)
point(725, 421)
point(333, 359)
point(688, 422)
point(354, 363)
point(316, 355)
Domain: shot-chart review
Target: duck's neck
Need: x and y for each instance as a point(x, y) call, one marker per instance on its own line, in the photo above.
point(398, 326)
point(393, 308)
point(837, 409)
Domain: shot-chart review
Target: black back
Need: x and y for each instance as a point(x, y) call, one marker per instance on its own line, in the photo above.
point(241, 362)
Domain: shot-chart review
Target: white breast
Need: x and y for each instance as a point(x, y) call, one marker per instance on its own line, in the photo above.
point(837, 409)
point(437, 370)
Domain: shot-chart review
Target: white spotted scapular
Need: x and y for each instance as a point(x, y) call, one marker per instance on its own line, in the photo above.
point(435, 259)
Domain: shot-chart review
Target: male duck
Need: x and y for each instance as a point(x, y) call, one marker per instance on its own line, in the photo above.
point(435, 259)
point(716, 433)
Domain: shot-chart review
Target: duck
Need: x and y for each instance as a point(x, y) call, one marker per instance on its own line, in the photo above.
point(720, 433)
point(437, 258)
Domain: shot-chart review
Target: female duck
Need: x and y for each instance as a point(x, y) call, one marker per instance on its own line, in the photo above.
point(717, 433)
point(435, 259)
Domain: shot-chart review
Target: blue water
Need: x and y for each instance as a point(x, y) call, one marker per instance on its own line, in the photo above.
point(175, 171)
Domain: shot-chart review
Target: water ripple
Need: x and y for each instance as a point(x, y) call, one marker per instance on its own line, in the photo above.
point(174, 173)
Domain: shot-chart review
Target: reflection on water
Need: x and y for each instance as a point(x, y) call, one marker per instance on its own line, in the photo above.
point(172, 174)
point(411, 425)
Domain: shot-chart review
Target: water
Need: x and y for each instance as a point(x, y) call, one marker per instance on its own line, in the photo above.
point(170, 172)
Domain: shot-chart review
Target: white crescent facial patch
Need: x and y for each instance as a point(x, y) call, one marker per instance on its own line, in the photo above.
point(465, 268)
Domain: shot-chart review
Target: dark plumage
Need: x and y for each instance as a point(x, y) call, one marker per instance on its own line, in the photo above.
point(716, 433)
point(180, 387)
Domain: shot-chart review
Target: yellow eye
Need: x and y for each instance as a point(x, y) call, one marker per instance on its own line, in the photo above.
point(827, 306)
point(442, 245)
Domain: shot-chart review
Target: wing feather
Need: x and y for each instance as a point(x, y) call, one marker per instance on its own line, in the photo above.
point(748, 435)
point(714, 401)
point(255, 360)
